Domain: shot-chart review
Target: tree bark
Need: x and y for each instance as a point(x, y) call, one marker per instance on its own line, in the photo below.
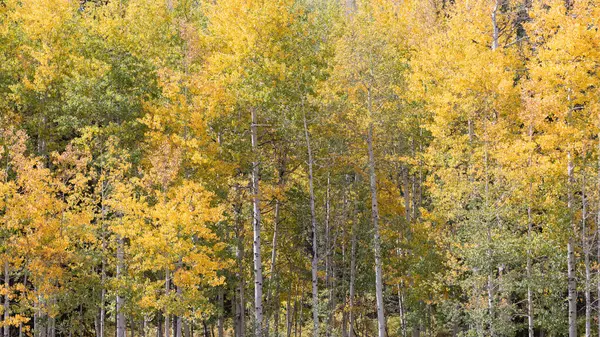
point(352, 272)
point(103, 189)
point(530, 325)
point(178, 318)
point(167, 316)
point(120, 302)
point(277, 313)
point(288, 314)
point(376, 238)
point(586, 255)
point(258, 278)
point(571, 282)
point(6, 297)
point(274, 305)
point(496, 30)
point(240, 301)
point(221, 319)
point(598, 235)
point(159, 325)
point(313, 218)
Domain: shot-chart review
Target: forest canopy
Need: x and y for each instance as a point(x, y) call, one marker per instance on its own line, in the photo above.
point(271, 168)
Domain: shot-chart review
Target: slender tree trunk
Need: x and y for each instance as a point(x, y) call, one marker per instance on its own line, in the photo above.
point(6, 297)
point(376, 239)
point(301, 319)
point(571, 276)
point(159, 326)
point(51, 327)
point(401, 310)
point(221, 319)
point(277, 313)
point(103, 273)
point(273, 305)
point(240, 309)
point(167, 291)
point(187, 332)
point(331, 244)
point(572, 282)
point(327, 236)
point(313, 218)
point(258, 278)
point(352, 271)
point(344, 324)
point(178, 319)
point(120, 302)
point(598, 236)
point(328, 264)
point(297, 316)
point(496, 30)
point(288, 314)
point(205, 327)
point(21, 324)
point(586, 255)
point(37, 331)
point(490, 278)
point(530, 325)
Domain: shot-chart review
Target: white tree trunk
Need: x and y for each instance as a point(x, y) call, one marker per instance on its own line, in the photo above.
point(120, 300)
point(178, 319)
point(352, 273)
point(272, 304)
point(530, 325)
point(240, 300)
point(571, 277)
point(256, 223)
point(586, 254)
point(6, 298)
point(376, 238)
point(313, 218)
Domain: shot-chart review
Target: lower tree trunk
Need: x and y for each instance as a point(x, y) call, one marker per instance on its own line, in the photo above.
point(352, 272)
point(120, 301)
point(178, 318)
point(240, 309)
point(220, 319)
point(205, 327)
point(277, 313)
point(376, 239)
point(313, 217)
point(401, 311)
point(186, 328)
point(51, 327)
point(6, 298)
point(289, 315)
point(256, 221)
point(571, 288)
point(586, 257)
point(598, 238)
point(530, 326)
point(167, 316)
point(159, 326)
point(571, 277)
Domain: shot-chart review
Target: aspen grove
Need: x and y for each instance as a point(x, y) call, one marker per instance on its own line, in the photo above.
point(299, 168)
